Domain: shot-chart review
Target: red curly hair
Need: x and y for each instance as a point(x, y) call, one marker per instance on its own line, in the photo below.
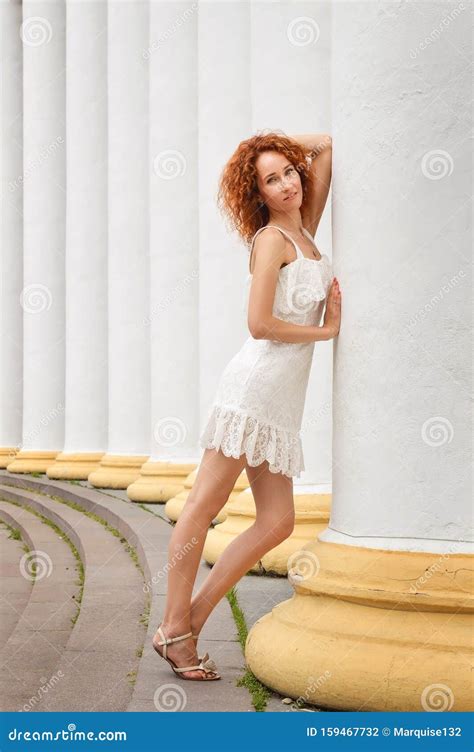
point(238, 197)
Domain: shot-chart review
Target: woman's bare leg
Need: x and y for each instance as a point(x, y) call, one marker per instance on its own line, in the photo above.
point(214, 482)
point(273, 495)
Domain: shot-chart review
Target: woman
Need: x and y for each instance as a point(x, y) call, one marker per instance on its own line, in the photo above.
point(273, 189)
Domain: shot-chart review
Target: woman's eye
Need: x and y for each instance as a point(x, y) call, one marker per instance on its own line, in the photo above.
point(288, 169)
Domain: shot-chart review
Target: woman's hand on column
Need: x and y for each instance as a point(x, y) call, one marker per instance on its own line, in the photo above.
point(332, 314)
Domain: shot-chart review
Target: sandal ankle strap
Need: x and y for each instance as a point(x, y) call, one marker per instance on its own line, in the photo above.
point(168, 640)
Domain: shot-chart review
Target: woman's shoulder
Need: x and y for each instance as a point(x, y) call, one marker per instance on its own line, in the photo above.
point(271, 234)
point(270, 244)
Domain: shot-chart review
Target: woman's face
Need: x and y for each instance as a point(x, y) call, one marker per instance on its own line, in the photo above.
point(278, 182)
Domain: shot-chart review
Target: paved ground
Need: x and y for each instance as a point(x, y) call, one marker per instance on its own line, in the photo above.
point(104, 660)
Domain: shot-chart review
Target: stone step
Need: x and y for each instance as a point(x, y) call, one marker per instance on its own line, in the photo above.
point(101, 656)
point(149, 532)
point(29, 655)
point(14, 591)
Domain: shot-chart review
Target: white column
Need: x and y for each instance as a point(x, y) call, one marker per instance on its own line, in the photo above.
point(223, 119)
point(42, 298)
point(11, 232)
point(392, 575)
point(291, 92)
point(128, 264)
point(86, 241)
point(171, 322)
point(401, 383)
point(288, 85)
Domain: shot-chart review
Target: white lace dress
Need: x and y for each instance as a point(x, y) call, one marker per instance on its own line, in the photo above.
point(258, 407)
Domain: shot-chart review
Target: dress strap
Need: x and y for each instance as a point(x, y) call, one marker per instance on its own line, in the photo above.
point(308, 234)
point(299, 253)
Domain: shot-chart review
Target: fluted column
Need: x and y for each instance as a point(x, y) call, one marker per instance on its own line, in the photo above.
point(223, 110)
point(381, 617)
point(171, 322)
point(127, 293)
point(86, 241)
point(296, 103)
point(11, 232)
point(42, 33)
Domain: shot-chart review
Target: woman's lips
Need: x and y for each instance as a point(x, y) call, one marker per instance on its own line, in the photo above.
point(290, 197)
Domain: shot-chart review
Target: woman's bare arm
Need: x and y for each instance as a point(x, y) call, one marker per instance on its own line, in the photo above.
point(319, 147)
point(268, 255)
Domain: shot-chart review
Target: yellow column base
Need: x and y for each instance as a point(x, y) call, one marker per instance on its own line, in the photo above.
point(7, 455)
point(159, 481)
point(371, 630)
point(26, 461)
point(74, 466)
point(311, 517)
point(117, 471)
point(174, 506)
